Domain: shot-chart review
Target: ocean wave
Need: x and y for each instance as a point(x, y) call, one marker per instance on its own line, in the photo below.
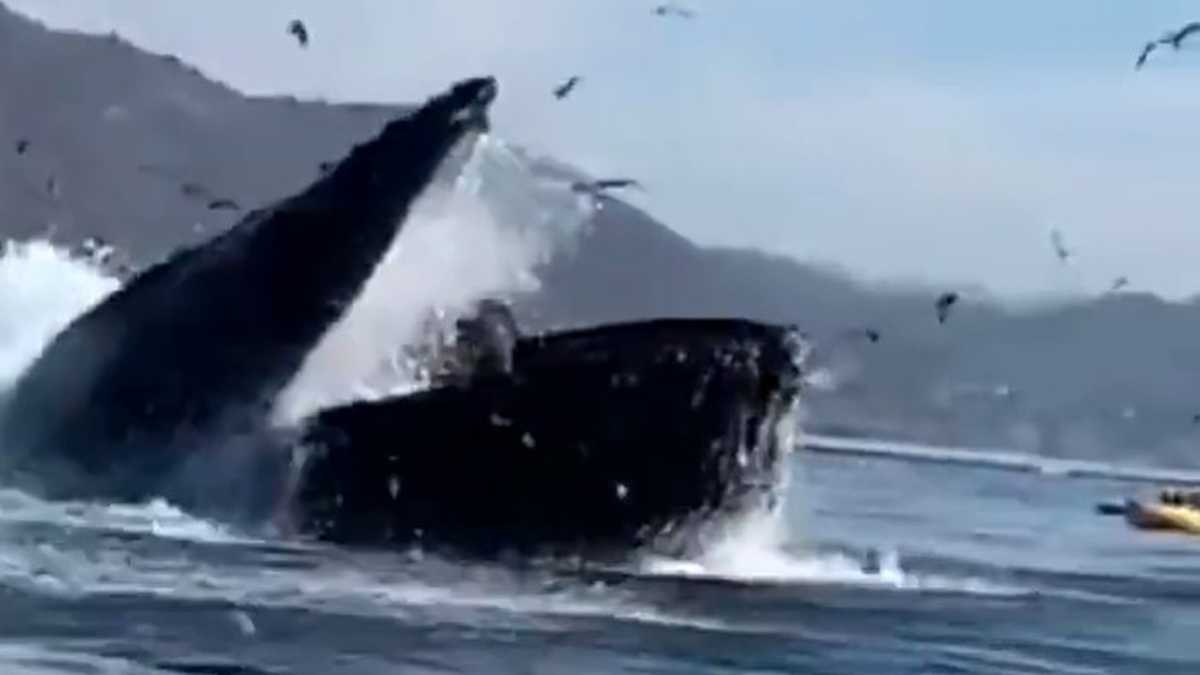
point(437, 591)
point(156, 518)
point(44, 288)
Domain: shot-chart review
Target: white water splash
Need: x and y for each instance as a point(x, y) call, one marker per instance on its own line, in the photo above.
point(755, 550)
point(822, 379)
point(44, 288)
point(484, 235)
point(156, 517)
point(323, 581)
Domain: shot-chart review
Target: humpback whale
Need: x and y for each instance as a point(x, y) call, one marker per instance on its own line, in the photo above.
point(592, 441)
point(588, 441)
point(199, 345)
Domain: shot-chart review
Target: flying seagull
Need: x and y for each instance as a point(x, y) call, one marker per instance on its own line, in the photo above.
point(597, 187)
point(564, 89)
point(1141, 60)
point(943, 304)
point(298, 29)
point(223, 203)
point(22, 146)
point(1176, 38)
point(616, 183)
point(194, 190)
point(191, 189)
point(214, 202)
point(870, 334)
point(674, 10)
point(1060, 247)
point(1118, 284)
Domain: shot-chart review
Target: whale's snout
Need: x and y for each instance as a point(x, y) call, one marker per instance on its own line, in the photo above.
point(470, 100)
point(478, 92)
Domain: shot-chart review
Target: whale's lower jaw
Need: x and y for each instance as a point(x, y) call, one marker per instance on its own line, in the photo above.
point(600, 441)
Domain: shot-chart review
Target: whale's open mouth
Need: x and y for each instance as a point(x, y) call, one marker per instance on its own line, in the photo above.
point(591, 441)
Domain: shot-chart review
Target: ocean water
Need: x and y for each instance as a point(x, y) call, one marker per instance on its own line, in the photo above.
point(980, 570)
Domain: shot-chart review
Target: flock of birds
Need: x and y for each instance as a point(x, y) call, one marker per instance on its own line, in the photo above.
point(1174, 39)
point(104, 254)
point(598, 189)
point(946, 301)
point(298, 30)
point(189, 189)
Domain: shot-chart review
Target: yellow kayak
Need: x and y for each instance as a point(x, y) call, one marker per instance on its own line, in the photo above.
point(1179, 518)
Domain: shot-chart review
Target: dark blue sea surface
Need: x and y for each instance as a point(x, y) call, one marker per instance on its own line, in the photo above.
point(877, 565)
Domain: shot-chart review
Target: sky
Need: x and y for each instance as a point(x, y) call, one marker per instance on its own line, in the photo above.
point(933, 141)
